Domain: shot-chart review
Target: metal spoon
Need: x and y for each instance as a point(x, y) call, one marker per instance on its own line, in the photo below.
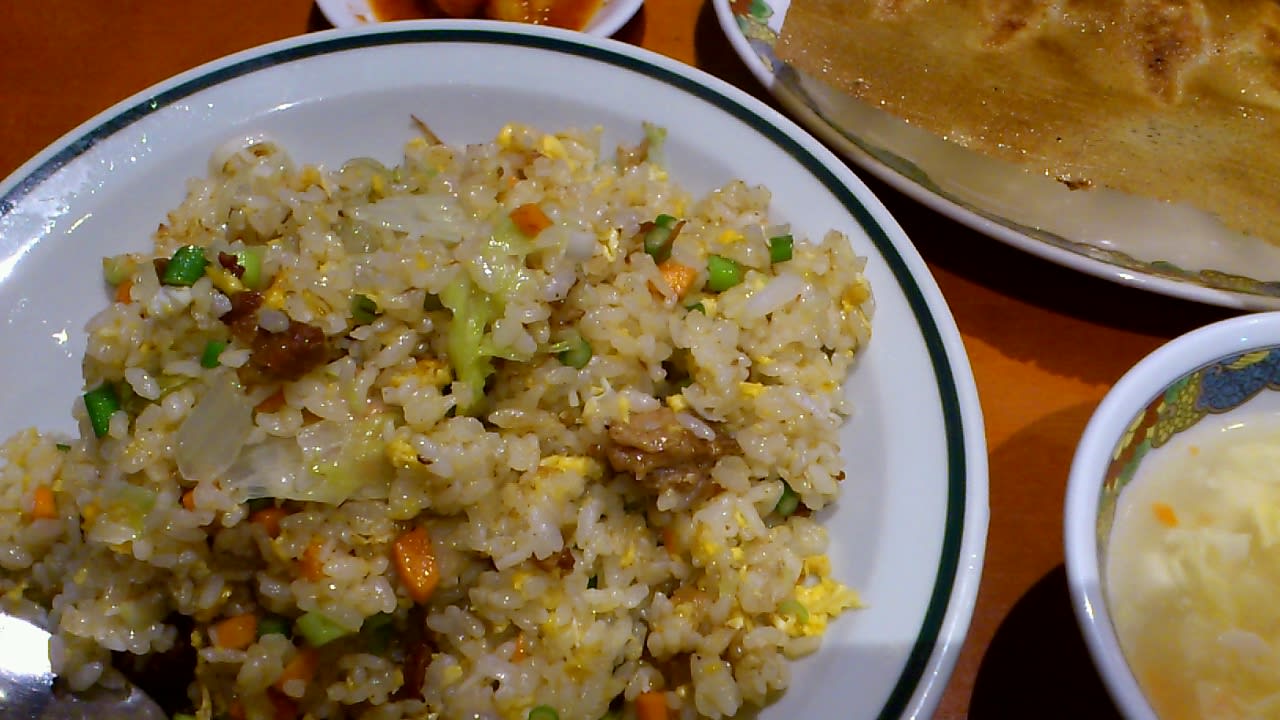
point(27, 689)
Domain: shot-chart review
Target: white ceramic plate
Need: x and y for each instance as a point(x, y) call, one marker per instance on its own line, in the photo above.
point(909, 531)
point(1168, 249)
point(609, 19)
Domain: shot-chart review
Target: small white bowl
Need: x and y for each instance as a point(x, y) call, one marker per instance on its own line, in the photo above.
point(1197, 375)
point(609, 19)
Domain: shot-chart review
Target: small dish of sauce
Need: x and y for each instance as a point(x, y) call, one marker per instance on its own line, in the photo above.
point(602, 18)
point(570, 14)
point(1193, 571)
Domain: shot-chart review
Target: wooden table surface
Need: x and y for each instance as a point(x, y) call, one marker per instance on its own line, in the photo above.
point(1045, 342)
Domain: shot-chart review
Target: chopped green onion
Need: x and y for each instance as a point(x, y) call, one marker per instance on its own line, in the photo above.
point(251, 260)
point(377, 631)
point(101, 403)
point(261, 503)
point(363, 309)
point(780, 248)
point(317, 629)
point(183, 716)
point(185, 267)
point(789, 501)
point(212, 349)
point(577, 355)
point(273, 625)
point(722, 273)
point(611, 715)
point(659, 236)
point(544, 712)
point(63, 447)
point(593, 582)
point(697, 306)
point(792, 607)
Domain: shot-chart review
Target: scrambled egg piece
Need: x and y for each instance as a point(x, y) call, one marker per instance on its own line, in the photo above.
point(819, 601)
point(678, 402)
point(309, 176)
point(854, 297)
point(751, 389)
point(518, 580)
point(730, 236)
point(553, 148)
point(274, 296)
point(427, 371)
point(506, 136)
point(578, 464)
point(612, 243)
point(402, 454)
point(223, 279)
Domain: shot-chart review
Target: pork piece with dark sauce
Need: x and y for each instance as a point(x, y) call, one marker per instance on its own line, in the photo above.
point(285, 355)
point(418, 649)
point(662, 453)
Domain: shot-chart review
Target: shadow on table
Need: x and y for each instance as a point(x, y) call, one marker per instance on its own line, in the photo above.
point(317, 21)
point(716, 55)
point(1037, 665)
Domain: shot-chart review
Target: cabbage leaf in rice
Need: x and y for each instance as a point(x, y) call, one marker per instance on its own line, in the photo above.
point(599, 525)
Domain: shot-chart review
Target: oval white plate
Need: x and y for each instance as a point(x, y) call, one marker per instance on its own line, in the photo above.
point(910, 529)
point(1167, 249)
point(609, 19)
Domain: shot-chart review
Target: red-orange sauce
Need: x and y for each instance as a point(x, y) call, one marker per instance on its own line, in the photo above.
point(571, 14)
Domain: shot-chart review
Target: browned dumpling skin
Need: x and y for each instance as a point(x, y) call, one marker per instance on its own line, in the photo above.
point(1177, 100)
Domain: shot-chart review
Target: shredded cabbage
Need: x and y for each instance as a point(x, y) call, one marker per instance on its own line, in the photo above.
point(328, 462)
point(470, 345)
point(211, 437)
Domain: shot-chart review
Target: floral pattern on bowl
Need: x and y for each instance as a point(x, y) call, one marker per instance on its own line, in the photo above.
point(758, 21)
point(1216, 388)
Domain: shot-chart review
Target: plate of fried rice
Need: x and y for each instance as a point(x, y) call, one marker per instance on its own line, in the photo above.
point(468, 369)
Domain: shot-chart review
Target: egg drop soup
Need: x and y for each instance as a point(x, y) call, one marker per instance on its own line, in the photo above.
point(1193, 572)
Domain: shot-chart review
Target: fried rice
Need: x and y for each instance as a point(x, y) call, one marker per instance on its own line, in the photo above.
point(516, 429)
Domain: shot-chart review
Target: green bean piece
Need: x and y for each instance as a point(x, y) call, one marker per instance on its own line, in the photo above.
point(273, 625)
point(780, 248)
point(789, 501)
point(377, 631)
point(317, 629)
point(363, 309)
point(544, 712)
point(212, 350)
point(251, 260)
point(101, 403)
point(185, 267)
point(659, 237)
point(577, 355)
point(722, 273)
